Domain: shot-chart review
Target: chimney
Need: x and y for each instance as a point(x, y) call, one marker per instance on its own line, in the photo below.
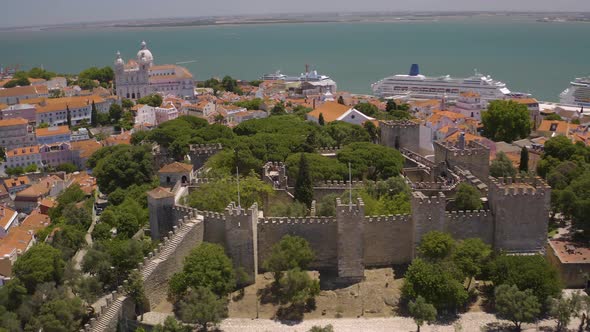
point(461, 141)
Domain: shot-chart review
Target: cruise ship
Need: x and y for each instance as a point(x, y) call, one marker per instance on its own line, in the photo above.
point(308, 76)
point(419, 86)
point(578, 93)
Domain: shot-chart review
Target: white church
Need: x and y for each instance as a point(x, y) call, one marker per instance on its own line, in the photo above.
point(140, 77)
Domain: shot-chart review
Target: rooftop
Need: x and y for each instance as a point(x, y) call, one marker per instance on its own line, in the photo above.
point(330, 110)
point(176, 167)
point(23, 91)
point(160, 193)
point(569, 252)
point(7, 216)
point(23, 151)
point(86, 147)
point(13, 122)
point(16, 182)
point(50, 131)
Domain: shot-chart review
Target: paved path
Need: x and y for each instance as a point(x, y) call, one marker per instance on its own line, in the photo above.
point(79, 256)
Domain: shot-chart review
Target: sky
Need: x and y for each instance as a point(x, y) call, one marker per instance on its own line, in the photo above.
point(43, 12)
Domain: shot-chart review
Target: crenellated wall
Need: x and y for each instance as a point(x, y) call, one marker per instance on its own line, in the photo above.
point(469, 224)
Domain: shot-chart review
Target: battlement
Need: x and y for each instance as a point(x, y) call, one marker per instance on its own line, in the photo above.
point(210, 215)
point(338, 184)
point(520, 186)
point(328, 149)
point(202, 180)
point(270, 164)
point(205, 148)
point(398, 123)
point(420, 198)
point(354, 209)
point(389, 218)
point(233, 210)
point(278, 221)
point(470, 148)
point(459, 215)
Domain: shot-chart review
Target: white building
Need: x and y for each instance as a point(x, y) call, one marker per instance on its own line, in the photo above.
point(23, 157)
point(470, 105)
point(140, 77)
point(333, 111)
point(53, 111)
point(153, 116)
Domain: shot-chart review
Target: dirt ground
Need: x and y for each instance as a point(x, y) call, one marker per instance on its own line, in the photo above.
point(373, 297)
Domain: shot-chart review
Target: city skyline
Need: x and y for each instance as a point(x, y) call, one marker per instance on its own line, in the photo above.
point(69, 11)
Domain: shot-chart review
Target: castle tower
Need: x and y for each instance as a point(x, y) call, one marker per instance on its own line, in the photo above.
point(428, 214)
point(160, 203)
point(473, 156)
point(520, 207)
point(241, 234)
point(350, 219)
point(400, 135)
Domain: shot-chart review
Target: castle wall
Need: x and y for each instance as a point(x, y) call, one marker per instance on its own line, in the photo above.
point(474, 157)
point(470, 224)
point(387, 240)
point(400, 134)
point(214, 227)
point(320, 232)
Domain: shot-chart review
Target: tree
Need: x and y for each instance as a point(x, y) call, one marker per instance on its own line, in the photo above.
point(31, 168)
point(502, 166)
point(202, 307)
point(390, 106)
point(372, 130)
point(553, 116)
point(115, 112)
point(304, 185)
point(121, 166)
point(367, 109)
point(278, 109)
point(153, 100)
point(135, 291)
point(436, 246)
point(127, 103)
point(506, 121)
point(172, 325)
point(441, 284)
point(317, 328)
point(321, 168)
point(526, 272)
point(68, 116)
point(23, 81)
point(2, 153)
point(216, 195)
point(93, 115)
point(421, 311)
point(371, 160)
point(471, 256)
point(42, 263)
point(66, 167)
point(289, 253)
point(206, 266)
point(321, 120)
point(515, 305)
point(562, 309)
point(297, 288)
point(523, 166)
point(341, 100)
point(467, 198)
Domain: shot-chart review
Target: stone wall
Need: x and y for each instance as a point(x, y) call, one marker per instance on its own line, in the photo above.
point(387, 240)
point(400, 134)
point(470, 224)
point(199, 153)
point(319, 231)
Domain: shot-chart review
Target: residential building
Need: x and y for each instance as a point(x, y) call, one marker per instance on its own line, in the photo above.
point(54, 111)
point(122, 138)
point(332, 111)
point(82, 150)
point(86, 182)
point(80, 135)
point(4, 194)
point(140, 77)
point(16, 133)
point(28, 199)
point(56, 83)
point(7, 220)
point(203, 109)
point(533, 107)
point(470, 105)
point(152, 116)
point(23, 157)
point(16, 184)
point(18, 241)
point(55, 154)
point(552, 128)
point(52, 135)
point(15, 95)
point(239, 117)
point(25, 111)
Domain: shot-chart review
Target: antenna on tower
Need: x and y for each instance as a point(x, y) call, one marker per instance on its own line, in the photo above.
point(238, 179)
point(349, 188)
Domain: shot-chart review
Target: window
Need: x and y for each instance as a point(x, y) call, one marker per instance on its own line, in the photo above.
point(553, 127)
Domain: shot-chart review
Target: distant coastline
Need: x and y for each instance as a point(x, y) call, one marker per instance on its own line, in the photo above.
point(365, 17)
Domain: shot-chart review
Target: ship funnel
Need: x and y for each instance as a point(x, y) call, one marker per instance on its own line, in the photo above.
point(414, 70)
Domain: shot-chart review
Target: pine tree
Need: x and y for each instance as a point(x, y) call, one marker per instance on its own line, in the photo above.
point(524, 160)
point(93, 115)
point(391, 106)
point(340, 100)
point(68, 116)
point(321, 120)
point(304, 185)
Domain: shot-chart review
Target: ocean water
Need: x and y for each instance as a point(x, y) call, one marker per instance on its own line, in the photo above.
point(538, 58)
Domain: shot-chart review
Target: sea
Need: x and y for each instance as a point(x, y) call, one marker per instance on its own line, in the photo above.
point(529, 56)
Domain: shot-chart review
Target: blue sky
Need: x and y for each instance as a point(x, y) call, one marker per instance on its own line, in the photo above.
point(39, 12)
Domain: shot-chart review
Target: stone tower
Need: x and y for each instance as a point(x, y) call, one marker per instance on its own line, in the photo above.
point(521, 213)
point(428, 214)
point(350, 219)
point(160, 203)
point(400, 135)
point(241, 238)
point(473, 156)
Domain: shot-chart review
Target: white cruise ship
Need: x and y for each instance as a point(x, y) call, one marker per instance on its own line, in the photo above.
point(308, 76)
point(578, 93)
point(419, 86)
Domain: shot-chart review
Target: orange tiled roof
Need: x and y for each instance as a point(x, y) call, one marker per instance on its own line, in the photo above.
point(16, 182)
point(23, 91)
point(330, 110)
point(176, 167)
point(23, 151)
point(50, 131)
point(525, 101)
point(13, 122)
point(6, 214)
point(560, 127)
point(468, 137)
point(86, 147)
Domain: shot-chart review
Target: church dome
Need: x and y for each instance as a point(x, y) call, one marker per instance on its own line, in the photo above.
point(119, 60)
point(144, 55)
